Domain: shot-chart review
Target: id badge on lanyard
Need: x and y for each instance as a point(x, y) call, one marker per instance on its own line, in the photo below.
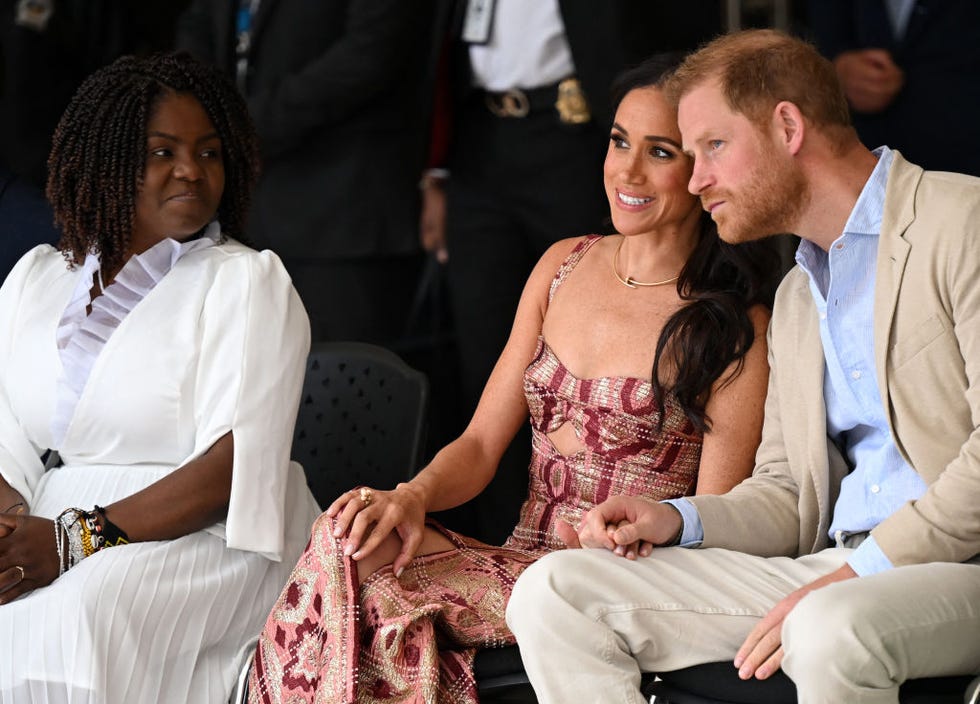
point(478, 21)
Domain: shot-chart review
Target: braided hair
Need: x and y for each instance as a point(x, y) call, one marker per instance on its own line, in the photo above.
point(98, 153)
point(719, 284)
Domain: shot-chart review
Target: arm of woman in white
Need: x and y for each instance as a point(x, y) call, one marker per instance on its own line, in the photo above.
point(465, 466)
point(20, 463)
point(736, 409)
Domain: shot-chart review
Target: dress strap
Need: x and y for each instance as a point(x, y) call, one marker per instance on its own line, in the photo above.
point(570, 262)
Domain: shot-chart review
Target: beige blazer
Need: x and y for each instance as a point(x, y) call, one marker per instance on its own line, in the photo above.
point(927, 357)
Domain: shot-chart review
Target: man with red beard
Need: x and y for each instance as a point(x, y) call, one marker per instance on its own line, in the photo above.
point(850, 557)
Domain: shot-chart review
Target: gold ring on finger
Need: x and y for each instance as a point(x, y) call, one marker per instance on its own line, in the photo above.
point(366, 496)
point(18, 567)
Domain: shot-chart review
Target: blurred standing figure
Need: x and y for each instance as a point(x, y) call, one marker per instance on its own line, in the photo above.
point(335, 89)
point(47, 47)
point(911, 73)
point(527, 138)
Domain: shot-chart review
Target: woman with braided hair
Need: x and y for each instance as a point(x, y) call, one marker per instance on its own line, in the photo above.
point(161, 362)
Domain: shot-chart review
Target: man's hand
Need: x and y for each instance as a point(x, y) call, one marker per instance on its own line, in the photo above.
point(627, 525)
point(432, 221)
point(762, 652)
point(870, 78)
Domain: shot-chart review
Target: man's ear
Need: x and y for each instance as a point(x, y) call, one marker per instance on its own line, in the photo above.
point(788, 126)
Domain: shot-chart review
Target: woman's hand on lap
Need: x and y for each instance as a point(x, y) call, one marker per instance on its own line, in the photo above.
point(28, 555)
point(368, 516)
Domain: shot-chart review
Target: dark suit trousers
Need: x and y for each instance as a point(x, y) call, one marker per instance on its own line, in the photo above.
point(517, 186)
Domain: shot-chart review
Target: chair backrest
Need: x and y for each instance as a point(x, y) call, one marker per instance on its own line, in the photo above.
point(361, 419)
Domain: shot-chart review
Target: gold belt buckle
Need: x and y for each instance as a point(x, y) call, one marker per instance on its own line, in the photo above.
point(511, 103)
point(573, 108)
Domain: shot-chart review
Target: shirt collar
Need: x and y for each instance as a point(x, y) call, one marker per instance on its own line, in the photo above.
point(865, 217)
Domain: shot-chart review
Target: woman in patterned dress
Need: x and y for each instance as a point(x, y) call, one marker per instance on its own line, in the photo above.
point(387, 606)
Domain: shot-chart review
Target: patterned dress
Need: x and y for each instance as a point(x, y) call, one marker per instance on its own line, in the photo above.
point(413, 639)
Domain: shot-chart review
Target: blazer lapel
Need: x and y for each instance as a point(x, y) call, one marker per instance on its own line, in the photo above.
point(893, 253)
point(807, 388)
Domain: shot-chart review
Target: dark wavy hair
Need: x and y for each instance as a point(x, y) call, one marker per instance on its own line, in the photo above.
point(98, 153)
point(719, 283)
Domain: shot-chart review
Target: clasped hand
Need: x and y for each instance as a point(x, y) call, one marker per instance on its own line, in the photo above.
point(630, 526)
point(870, 78)
point(368, 522)
point(28, 555)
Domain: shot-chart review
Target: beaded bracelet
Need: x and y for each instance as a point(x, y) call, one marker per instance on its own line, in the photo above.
point(68, 538)
point(110, 533)
point(79, 534)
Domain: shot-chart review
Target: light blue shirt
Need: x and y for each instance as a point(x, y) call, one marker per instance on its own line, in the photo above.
point(842, 283)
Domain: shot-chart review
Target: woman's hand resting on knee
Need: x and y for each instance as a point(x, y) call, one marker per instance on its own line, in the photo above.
point(368, 516)
point(28, 555)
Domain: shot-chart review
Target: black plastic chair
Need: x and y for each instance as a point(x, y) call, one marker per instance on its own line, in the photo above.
point(501, 679)
point(718, 683)
point(361, 419)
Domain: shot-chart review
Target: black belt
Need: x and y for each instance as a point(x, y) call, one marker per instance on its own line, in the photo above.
point(565, 97)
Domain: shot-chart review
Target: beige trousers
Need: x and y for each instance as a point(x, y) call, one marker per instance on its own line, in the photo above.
point(589, 622)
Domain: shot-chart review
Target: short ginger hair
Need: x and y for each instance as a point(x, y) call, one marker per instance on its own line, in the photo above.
point(757, 69)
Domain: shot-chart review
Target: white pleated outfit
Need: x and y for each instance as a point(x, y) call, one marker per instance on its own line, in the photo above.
point(186, 345)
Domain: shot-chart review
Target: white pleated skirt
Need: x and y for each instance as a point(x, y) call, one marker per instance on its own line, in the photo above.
point(163, 621)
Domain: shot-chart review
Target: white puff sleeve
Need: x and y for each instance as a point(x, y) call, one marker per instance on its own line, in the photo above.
point(20, 462)
point(254, 345)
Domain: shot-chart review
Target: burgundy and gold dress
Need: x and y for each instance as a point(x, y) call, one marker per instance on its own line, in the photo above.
point(413, 639)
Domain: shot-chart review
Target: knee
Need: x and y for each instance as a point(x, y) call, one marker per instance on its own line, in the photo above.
point(527, 593)
point(823, 634)
point(323, 525)
point(558, 582)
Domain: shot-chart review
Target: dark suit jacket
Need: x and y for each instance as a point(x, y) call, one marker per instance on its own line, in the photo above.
point(336, 89)
point(933, 120)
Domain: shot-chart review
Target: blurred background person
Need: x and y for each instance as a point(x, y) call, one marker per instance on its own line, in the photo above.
point(337, 89)
point(47, 47)
point(911, 73)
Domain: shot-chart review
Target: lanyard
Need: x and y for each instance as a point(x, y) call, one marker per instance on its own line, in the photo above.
point(243, 31)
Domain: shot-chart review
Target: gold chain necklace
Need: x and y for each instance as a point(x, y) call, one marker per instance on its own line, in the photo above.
point(631, 282)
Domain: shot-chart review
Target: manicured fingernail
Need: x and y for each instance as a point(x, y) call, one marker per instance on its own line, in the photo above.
point(348, 550)
point(398, 574)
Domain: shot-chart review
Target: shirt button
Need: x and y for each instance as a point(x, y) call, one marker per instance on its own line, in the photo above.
point(855, 374)
point(839, 245)
point(875, 488)
point(823, 316)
